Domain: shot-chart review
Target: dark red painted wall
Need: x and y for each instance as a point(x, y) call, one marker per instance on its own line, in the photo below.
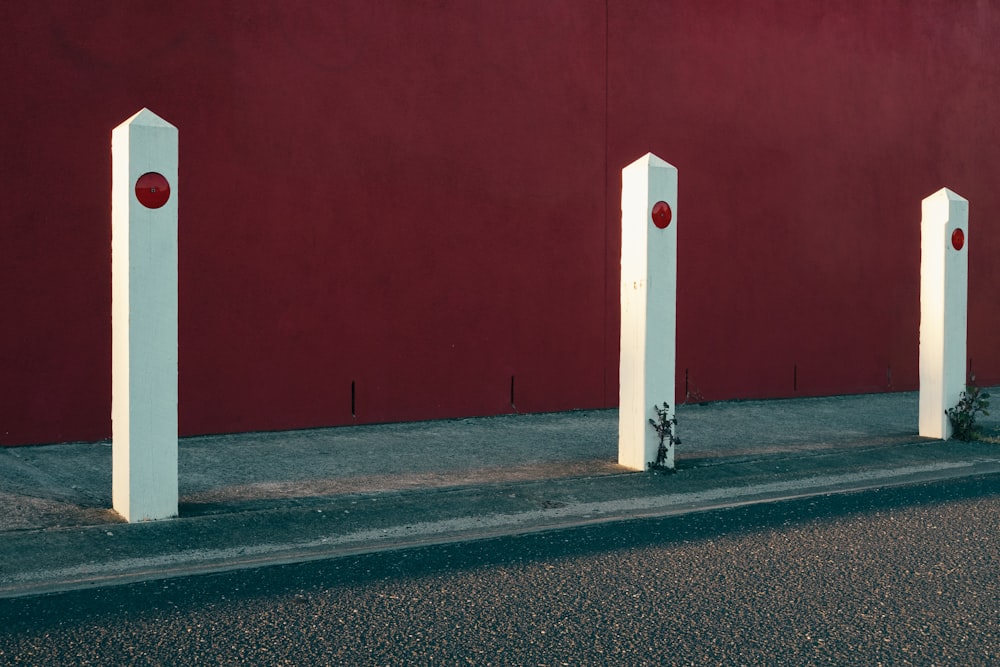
point(806, 135)
point(419, 200)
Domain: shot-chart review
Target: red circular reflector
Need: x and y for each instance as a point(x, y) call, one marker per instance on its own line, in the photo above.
point(152, 190)
point(958, 239)
point(662, 215)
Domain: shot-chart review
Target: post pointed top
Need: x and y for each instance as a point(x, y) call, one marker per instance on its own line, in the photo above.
point(650, 160)
point(945, 193)
point(147, 118)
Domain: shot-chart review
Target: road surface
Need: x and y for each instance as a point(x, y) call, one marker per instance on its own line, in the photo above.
point(899, 576)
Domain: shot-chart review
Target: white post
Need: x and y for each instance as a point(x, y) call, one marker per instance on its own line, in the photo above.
point(648, 306)
point(144, 317)
point(944, 270)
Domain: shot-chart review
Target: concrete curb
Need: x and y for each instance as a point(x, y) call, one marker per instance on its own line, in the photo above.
point(59, 559)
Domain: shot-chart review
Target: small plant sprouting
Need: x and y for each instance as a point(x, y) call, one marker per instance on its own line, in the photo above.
point(664, 426)
point(963, 416)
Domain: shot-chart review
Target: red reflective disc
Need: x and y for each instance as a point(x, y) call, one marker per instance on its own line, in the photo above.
point(152, 190)
point(958, 239)
point(662, 215)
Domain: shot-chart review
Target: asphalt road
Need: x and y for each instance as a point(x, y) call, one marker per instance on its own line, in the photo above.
point(899, 576)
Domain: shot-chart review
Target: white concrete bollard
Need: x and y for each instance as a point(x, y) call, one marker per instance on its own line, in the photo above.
point(648, 306)
point(944, 271)
point(144, 317)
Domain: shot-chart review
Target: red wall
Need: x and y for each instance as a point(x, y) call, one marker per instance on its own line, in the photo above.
point(421, 200)
point(806, 135)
